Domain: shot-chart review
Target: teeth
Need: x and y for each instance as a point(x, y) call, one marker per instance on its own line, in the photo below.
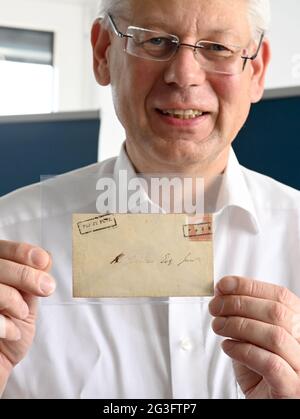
point(182, 114)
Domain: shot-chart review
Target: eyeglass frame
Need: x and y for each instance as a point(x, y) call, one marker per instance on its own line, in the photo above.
point(179, 44)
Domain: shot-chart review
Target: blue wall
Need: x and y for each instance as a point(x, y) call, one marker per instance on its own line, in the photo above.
point(270, 141)
point(29, 150)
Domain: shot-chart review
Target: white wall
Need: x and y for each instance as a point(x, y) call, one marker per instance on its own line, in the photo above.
point(70, 23)
point(285, 40)
point(112, 133)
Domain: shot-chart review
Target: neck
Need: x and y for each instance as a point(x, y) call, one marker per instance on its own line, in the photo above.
point(208, 170)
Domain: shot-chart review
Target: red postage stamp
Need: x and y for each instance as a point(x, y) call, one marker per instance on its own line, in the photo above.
point(199, 228)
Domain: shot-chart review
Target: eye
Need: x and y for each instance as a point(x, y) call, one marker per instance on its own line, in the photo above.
point(216, 50)
point(157, 47)
point(218, 47)
point(158, 42)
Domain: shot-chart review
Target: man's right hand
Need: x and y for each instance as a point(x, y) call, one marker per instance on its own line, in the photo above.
point(23, 278)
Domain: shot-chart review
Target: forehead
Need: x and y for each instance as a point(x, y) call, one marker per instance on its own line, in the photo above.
point(192, 15)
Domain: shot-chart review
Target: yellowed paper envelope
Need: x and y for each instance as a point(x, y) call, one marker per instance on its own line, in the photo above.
point(137, 255)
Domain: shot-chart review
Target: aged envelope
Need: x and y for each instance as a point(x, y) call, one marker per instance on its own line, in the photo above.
point(136, 255)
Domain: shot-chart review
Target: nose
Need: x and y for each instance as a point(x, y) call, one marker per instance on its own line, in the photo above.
point(184, 70)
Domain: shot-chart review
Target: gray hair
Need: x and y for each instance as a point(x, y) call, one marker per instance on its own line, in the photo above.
point(260, 14)
point(112, 6)
point(259, 11)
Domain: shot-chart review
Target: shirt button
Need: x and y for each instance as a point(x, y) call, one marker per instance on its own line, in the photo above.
point(186, 345)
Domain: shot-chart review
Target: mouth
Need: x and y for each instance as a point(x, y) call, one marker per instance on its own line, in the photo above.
point(182, 114)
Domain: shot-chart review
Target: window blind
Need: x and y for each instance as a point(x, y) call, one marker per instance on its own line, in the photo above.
point(26, 46)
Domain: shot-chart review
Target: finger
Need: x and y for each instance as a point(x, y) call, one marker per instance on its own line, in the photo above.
point(25, 254)
point(247, 378)
point(252, 288)
point(277, 373)
point(266, 311)
point(271, 338)
point(12, 303)
point(8, 330)
point(32, 303)
point(27, 279)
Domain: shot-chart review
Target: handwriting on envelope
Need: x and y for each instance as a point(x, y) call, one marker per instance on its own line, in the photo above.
point(137, 255)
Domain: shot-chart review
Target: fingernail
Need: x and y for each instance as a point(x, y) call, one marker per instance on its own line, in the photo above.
point(219, 323)
point(47, 285)
point(39, 258)
point(227, 345)
point(228, 284)
point(216, 306)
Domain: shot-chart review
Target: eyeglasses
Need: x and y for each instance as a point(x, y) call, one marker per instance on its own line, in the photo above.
point(214, 57)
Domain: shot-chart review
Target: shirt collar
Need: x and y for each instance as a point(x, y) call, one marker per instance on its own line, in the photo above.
point(234, 191)
point(123, 163)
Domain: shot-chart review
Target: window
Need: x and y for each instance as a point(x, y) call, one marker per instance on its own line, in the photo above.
point(26, 71)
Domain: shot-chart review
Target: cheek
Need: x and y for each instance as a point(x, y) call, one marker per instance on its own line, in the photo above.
point(234, 102)
point(128, 101)
point(131, 85)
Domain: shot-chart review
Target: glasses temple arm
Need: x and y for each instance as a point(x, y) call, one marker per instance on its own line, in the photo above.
point(115, 29)
point(259, 46)
point(258, 49)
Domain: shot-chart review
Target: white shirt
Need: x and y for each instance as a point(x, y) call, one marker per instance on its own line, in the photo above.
point(145, 348)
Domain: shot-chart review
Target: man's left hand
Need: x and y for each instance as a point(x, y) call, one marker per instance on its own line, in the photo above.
point(263, 322)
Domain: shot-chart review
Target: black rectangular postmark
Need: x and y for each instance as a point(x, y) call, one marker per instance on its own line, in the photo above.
point(102, 222)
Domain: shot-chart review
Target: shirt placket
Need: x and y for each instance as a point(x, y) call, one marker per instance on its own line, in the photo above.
point(187, 349)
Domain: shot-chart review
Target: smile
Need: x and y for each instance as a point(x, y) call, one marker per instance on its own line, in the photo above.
point(182, 114)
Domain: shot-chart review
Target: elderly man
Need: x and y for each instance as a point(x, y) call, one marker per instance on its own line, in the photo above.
point(184, 75)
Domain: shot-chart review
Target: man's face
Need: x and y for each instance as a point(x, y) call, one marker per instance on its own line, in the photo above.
point(144, 89)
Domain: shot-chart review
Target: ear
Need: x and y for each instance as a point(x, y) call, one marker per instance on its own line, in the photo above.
point(100, 40)
point(260, 65)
